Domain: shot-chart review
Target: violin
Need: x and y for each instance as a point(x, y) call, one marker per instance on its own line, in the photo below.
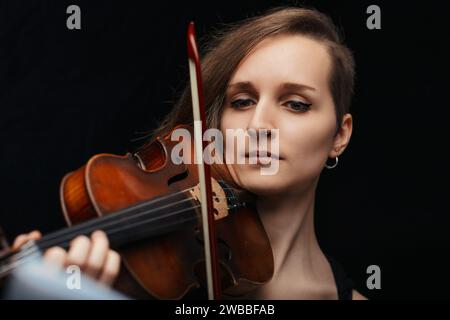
point(177, 227)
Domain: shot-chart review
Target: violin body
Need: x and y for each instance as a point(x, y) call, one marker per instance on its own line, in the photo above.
point(169, 262)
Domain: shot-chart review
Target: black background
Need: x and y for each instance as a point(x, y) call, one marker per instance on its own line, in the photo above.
point(66, 95)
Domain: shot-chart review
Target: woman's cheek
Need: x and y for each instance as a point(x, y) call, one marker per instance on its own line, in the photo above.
point(306, 153)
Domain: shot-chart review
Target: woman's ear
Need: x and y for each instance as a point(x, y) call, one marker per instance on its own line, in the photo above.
point(342, 138)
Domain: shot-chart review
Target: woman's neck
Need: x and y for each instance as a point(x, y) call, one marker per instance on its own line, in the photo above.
point(289, 223)
point(300, 266)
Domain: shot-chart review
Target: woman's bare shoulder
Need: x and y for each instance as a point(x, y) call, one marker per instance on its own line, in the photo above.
point(358, 296)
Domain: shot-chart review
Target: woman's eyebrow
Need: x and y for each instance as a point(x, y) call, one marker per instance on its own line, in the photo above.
point(296, 86)
point(247, 85)
point(242, 85)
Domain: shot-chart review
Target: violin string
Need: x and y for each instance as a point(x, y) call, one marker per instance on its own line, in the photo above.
point(111, 222)
point(131, 209)
point(53, 237)
point(7, 267)
point(116, 218)
point(105, 221)
point(119, 214)
point(4, 269)
point(52, 241)
point(32, 249)
point(115, 215)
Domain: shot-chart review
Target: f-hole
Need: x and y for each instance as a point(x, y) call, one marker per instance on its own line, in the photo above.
point(177, 178)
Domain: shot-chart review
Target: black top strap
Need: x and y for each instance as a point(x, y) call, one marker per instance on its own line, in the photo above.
point(343, 283)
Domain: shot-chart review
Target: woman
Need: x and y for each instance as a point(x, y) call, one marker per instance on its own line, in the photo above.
point(288, 70)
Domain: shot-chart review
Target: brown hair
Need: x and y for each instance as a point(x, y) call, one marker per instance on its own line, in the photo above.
point(226, 49)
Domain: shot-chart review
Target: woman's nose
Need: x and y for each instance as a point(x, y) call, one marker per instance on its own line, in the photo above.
point(262, 121)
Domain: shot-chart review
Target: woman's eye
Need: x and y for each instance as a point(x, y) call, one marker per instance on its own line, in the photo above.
point(298, 105)
point(241, 103)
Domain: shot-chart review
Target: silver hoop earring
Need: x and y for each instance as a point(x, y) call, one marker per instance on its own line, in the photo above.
point(332, 166)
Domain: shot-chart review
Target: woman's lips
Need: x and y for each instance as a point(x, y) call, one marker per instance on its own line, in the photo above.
point(262, 153)
point(262, 157)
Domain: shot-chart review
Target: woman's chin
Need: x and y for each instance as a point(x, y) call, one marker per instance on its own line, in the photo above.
point(263, 185)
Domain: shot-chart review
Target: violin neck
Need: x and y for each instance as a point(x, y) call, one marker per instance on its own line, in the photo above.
point(143, 221)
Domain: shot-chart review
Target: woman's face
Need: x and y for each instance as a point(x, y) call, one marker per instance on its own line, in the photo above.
point(283, 84)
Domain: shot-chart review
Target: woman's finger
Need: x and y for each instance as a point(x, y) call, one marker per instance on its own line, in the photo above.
point(78, 251)
point(24, 238)
point(111, 268)
point(19, 241)
point(98, 254)
point(35, 235)
point(56, 256)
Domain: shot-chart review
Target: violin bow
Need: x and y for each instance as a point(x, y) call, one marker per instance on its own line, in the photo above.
point(204, 172)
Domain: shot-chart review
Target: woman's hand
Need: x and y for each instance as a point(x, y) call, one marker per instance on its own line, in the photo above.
point(92, 255)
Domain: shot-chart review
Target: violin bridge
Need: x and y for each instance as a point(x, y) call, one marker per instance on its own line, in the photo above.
point(220, 203)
